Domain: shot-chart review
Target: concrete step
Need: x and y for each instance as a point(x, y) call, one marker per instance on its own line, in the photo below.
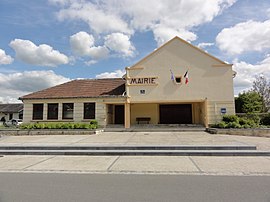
point(133, 147)
point(158, 129)
point(139, 152)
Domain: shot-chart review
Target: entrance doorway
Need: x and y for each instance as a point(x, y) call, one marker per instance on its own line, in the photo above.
point(175, 114)
point(119, 114)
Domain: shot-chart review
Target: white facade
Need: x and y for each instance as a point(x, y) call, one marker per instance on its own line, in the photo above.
point(151, 94)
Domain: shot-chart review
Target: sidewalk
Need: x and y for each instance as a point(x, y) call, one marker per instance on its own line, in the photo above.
point(138, 164)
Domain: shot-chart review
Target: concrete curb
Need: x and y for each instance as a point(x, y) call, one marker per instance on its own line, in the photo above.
point(187, 150)
point(133, 147)
point(138, 152)
point(19, 132)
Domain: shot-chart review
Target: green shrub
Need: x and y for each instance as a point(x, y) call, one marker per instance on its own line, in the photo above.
point(76, 125)
point(66, 125)
point(254, 117)
point(247, 123)
point(243, 121)
point(39, 126)
point(266, 120)
point(93, 124)
point(233, 125)
point(230, 118)
point(26, 126)
point(85, 126)
point(246, 126)
point(232, 121)
point(221, 124)
point(58, 125)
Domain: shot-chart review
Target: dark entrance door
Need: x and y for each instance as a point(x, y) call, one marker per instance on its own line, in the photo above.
point(119, 115)
point(175, 114)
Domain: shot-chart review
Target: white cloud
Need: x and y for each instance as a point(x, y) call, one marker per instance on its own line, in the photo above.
point(14, 85)
point(164, 18)
point(99, 19)
point(5, 59)
point(120, 43)
point(116, 74)
point(82, 44)
point(164, 34)
point(246, 36)
point(60, 2)
point(246, 73)
point(204, 45)
point(42, 55)
point(98, 52)
point(173, 14)
point(90, 62)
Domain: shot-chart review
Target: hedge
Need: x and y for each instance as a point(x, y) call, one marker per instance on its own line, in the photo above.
point(60, 125)
point(266, 120)
point(233, 121)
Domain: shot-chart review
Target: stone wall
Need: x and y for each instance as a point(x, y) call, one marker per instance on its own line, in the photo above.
point(258, 132)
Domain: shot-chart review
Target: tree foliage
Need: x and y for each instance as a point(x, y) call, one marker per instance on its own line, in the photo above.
point(262, 86)
point(249, 102)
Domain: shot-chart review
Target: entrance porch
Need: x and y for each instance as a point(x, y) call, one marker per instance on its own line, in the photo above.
point(158, 114)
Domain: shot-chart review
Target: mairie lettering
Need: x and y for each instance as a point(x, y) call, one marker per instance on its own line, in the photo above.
point(150, 80)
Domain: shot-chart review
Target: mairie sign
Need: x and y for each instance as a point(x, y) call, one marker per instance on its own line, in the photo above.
point(142, 81)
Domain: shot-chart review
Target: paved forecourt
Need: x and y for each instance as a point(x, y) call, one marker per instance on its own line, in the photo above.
point(138, 164)
point(197, 165)
point(136, 138)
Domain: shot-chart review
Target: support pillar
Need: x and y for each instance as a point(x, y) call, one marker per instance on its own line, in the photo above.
point(206, 113)
point(127, 115)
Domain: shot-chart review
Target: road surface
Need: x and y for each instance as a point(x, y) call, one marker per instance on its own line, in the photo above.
point(42, 187)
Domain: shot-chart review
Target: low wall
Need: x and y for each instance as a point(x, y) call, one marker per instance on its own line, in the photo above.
point(258, 132)
point(49, 132)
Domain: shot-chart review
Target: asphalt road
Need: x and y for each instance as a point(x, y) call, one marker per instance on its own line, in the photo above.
point(25, 187)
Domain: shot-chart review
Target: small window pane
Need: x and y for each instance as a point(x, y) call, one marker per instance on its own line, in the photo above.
point(89, 110)
point(68, 110)
point(37, 111)
point(178, 79)
point(52, 111)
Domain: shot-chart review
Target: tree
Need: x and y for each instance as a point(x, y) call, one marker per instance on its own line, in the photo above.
point(249, 102)
point(262, 86)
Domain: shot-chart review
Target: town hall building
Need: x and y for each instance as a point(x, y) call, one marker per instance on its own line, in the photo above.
point(178, 83)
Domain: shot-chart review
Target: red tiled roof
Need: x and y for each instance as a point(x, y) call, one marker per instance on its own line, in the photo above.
point(81, 89)
point(11, 108)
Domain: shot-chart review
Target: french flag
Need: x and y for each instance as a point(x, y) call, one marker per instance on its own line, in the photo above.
point(172, 76)
point(186, 77)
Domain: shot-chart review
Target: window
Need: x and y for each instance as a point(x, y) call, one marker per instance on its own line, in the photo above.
point(89, 110)
point(37, 111)
point(142, 92)
point(68, 110)
point(178, 79)
point(21, 114)
point(52, 111)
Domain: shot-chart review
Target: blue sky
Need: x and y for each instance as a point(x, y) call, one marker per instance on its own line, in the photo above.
point(47, 42)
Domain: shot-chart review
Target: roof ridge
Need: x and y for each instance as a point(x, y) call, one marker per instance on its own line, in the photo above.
point(82, 88)
point(47, 88)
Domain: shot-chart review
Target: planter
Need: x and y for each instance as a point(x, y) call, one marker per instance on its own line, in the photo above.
point(258, 132)
point(50, 132)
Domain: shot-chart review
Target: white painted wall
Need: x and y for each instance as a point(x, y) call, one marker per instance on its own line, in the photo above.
point(101, 111)
point(208, 78)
